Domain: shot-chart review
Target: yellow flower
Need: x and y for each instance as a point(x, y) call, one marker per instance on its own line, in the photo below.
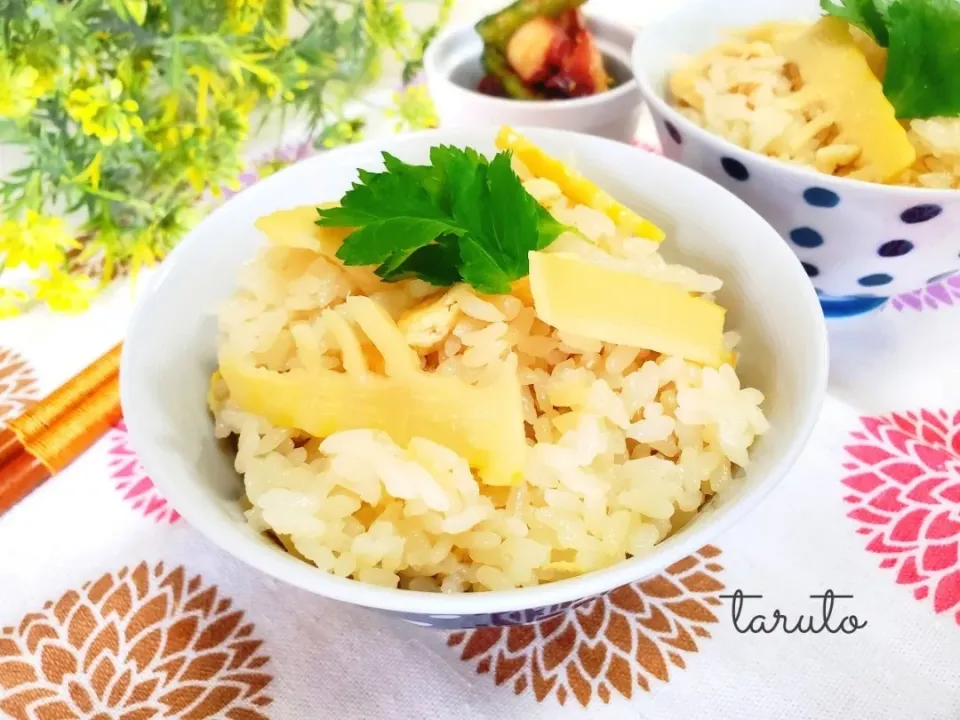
point(20, 86)
point(197, 178)
point(63, 292)
point(141, 253)
point(35, 241)
point(387, 23)
point(343, 133)
point(243, 15)
point(103, 112)
point(137, 10)
point(91, 175)
point(207, 83)
point(413, 109)
point(46, 81)
point(11, 302)
point(251, 63)
point(276, 41)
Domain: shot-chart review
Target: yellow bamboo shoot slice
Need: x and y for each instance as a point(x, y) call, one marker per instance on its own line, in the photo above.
point(575, 186)
point(833, 67)
point(625, 308)
point(482, 423)
point(297, 228)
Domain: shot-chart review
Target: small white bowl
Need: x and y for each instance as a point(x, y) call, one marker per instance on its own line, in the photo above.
point(452, 67)
point(860, 243)
point(171, 351)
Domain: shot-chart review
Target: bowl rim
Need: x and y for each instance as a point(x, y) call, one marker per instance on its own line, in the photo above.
point(232, 535)
point(813, 177)
point(451, 33)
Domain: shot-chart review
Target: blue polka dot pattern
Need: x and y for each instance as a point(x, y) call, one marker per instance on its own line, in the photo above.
point(806, 237)
point(920, 213)
point(821, 197)
point(673, 132)
point(875, 279)
point(895, 248)
point(735, 169)
point(811, 270)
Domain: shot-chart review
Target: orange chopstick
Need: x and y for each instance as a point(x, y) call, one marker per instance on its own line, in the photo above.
point(50, 434)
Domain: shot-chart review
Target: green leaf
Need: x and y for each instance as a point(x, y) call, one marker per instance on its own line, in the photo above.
point(423, 176)
point(868, 15)
point(502, 219)
point(379, 240)
point(393, 213)
point(549, 228)
point(137, 10)
point(461, 217)
point(452, 168)
point(921, 37)
point(276, 12)
point(384, 196)
point(923, 73)
point(436, 264)
point(481, 269)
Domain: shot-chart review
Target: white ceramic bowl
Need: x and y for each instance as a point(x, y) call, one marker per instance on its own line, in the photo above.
point(170, 352)
point(860, 242)
point(452, 68)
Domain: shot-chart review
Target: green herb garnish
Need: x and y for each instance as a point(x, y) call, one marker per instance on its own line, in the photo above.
point(461, 218)
point(922, 38)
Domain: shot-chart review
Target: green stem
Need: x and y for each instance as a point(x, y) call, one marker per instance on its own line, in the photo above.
point(496, 64)
point(497, 29)
point(173, 187)
point(114, 197)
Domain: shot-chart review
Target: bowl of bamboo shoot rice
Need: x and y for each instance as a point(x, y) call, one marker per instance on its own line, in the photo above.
point(473, 377)
point(804, 113)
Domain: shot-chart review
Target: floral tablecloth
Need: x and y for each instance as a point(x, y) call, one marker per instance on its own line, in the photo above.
point(112, 607)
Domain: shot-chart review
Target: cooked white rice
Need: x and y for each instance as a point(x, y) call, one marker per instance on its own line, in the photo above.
point(745, 92)
point(624, 444)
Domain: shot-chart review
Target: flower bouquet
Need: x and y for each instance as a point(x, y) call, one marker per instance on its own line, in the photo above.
point(127, 113)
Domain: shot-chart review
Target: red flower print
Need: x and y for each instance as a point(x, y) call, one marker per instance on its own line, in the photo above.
point(905, 478)
point(131, 479)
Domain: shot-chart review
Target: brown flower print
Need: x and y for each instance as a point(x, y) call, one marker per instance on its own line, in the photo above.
point(18, 384)
point(131, 646)
point(612, 644)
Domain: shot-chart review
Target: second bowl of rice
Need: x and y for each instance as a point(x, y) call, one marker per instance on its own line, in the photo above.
point(859, 242)
point(634, 459)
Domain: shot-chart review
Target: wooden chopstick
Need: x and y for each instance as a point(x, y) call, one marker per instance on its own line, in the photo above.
point(37, 418)
point(52, 433)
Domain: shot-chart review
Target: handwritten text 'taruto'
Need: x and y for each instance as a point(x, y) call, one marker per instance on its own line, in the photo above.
point(803, 624)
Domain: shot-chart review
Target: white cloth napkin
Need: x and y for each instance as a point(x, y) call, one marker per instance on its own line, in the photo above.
point(666, 648)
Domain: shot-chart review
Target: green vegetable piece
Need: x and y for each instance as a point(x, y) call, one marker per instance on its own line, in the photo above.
point(865, 14)
point(391, 215)
point(496, 64)
point(923, 64)
point(922, 38)
point(503, 227)
point(460, 218)
point(497, 28)
point(437, 264)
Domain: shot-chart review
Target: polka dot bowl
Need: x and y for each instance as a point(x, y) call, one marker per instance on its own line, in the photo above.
point(860, 243)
